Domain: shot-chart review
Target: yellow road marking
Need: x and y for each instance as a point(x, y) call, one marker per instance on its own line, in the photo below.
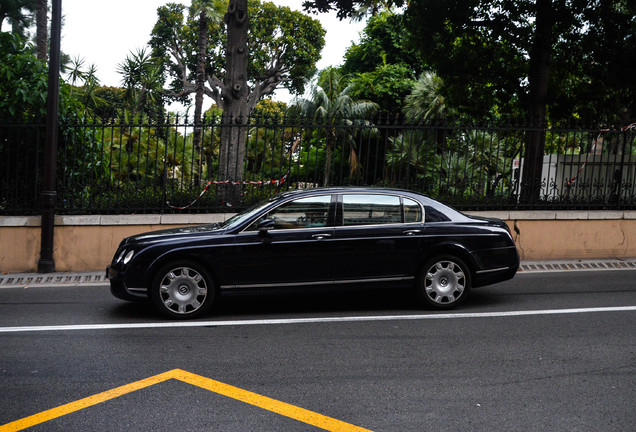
point(282, 408)
point(84, 403)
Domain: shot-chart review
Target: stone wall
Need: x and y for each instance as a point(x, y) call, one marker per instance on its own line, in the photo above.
point(86, 243)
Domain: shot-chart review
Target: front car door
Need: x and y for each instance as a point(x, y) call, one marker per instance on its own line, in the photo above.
point(295, 250)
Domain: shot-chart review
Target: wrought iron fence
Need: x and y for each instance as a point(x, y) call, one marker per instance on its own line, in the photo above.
point(159, 167)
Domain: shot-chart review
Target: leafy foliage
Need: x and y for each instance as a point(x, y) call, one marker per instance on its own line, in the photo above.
point(23, 81)
point(349, 8)
point(332, 104)
point(483, 51)
point(383, 41)
point(453, 164)
point(284, 46)
point(387, 86)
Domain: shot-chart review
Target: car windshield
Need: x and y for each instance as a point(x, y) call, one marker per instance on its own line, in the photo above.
point(245, 215)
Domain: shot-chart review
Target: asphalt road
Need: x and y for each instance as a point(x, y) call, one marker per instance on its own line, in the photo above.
point(544, 352)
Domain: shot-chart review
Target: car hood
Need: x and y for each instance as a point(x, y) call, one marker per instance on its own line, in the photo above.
point(173, 233)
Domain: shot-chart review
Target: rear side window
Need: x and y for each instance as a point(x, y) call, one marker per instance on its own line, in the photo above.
point(435, 215)
point(369, 209)
point(412, 211)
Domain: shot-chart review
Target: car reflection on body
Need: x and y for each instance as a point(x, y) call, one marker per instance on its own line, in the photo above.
point(318, 238)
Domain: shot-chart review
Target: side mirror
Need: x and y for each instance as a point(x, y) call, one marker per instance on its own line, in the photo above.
point(265, 225)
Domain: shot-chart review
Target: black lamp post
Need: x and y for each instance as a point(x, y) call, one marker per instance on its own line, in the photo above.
point(46, 264)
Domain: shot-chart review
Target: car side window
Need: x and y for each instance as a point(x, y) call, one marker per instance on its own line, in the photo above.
point(310, 212)
point(435, 215)
point(370, 209)
point(412, 211)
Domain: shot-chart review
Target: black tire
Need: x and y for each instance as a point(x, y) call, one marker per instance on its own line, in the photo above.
point(444, 282)
point(182, 290)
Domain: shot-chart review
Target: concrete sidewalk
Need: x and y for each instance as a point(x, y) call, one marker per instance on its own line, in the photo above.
point(98, 277)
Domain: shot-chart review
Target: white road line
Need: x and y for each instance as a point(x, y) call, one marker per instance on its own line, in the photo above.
point(180, 324)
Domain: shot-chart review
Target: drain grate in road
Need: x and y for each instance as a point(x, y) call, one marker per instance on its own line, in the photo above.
point(25, 280)
point(578, 265)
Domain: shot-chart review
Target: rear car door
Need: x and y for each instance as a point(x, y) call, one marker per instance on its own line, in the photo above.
point(378, 237)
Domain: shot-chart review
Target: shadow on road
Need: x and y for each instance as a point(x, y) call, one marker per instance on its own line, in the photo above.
point(279, 305)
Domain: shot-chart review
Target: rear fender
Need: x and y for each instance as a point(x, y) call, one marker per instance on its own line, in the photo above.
point(449, 248)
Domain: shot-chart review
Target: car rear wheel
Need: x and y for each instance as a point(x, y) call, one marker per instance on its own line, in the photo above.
point(182, 290)
point(444, 282)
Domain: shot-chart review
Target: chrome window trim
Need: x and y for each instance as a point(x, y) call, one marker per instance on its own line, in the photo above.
point(289, 230)
point(402, 196)
point(338, 196)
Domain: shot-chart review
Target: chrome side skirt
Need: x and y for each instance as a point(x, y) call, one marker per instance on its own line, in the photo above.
point(492, 270)
point(137, 290)
point(318, 283)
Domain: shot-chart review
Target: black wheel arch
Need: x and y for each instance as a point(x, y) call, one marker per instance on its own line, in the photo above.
point(179, 255)
point(448, 249)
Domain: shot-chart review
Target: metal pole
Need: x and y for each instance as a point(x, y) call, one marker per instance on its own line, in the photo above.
point(46, 264)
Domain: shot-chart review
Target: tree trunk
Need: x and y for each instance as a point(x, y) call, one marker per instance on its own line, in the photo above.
point(538, 76)
point(42, 33)
point(235, 106)
point(200, 85)
point(330, 144)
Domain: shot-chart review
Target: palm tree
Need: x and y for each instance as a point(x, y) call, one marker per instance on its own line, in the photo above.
point(426, 101)
point(87, 78)
point(143, 79)
point(18, 14)
point(42, 34)
point(207, 11)
point(332, 105)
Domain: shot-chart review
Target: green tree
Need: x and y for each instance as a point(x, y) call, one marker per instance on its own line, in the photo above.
point(23, 94)
point(17, 13)
point(261, 47)
point(383, 41)
point(426, 103)
point(84, 85)
point(381, 63)
point(540, 59)
point(332, 105)
point(387, 86)
point(23, 81)
point(42, 29)
point(142, 78)
point(206, 12)
point(351, 8)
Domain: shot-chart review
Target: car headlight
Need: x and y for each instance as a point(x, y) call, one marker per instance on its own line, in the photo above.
point(128, 256)
point(121, 255)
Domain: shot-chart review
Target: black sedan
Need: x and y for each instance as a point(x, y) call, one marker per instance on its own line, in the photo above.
point(318, 238)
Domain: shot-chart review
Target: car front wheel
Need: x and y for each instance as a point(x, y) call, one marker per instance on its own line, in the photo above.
point(444, 282)
point(182, 290)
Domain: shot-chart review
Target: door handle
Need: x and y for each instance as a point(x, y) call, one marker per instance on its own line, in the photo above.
point(321, 236)
point(412, 232)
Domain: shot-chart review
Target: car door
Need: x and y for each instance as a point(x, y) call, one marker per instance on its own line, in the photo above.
point(295, 249)
point(378, 239)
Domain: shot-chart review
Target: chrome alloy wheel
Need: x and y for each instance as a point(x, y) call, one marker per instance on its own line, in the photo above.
point(445, 282)
point(183, 290)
